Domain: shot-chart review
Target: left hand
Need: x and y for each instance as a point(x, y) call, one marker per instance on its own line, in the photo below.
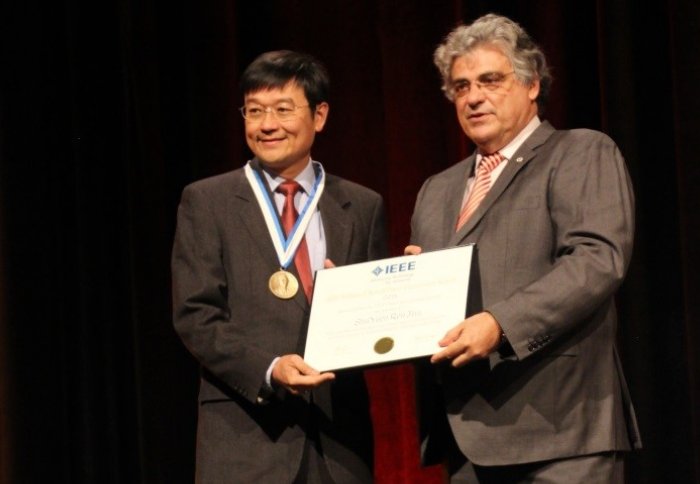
point(474, 338)
point(412, 250)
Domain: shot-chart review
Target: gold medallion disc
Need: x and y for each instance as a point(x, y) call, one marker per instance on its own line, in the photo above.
point(283, 284)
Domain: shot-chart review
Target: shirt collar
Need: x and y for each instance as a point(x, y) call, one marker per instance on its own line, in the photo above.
point(306, 178)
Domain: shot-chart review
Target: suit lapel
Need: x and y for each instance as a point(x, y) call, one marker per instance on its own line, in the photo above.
point(522, 157)
point(251, 219)
point(454, 198)
point(337, 224)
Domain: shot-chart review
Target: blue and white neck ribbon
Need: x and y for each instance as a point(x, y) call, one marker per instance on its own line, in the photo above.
point(285, 246)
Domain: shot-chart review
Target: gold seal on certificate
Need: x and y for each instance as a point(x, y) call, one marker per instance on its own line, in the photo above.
point(283, 284)
point(383, 345)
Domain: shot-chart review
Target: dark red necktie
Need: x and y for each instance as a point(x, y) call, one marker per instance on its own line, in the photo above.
point(289, 188)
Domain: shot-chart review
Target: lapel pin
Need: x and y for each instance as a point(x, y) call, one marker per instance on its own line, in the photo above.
point(519, 159)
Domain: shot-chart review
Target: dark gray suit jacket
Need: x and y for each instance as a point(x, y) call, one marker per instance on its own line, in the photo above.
point(554, 238)
point(232, 324)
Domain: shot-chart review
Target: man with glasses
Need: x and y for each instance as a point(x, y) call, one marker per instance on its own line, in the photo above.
point(531, 387)
point(246, 247)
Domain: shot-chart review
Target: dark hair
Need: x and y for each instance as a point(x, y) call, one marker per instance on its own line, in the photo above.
point(277, 68)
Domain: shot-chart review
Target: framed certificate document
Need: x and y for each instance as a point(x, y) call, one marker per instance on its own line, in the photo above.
point(387, 310)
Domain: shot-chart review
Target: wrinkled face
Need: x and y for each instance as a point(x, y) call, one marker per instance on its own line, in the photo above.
point(283, 146)
point(492, 105)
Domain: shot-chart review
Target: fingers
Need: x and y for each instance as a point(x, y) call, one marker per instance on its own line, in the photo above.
point(460, 356)
point(452, 350)
point(292, 372)
point(452, 335)
point(441, 356)
point(450, 341)
point(328, 264)
point(474, 338)
point(412, 250)
point(457, 354)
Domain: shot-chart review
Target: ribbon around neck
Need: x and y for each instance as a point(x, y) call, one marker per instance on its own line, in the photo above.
point(285, 246)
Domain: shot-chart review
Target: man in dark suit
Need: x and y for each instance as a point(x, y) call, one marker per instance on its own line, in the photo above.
point(533, 389)
point(242, 277)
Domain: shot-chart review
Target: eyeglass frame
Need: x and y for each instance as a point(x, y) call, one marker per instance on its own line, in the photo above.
point(483, 86)
point(272, 110)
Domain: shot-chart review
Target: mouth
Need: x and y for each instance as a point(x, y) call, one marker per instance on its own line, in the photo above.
point(270, 141)
point(477, 116)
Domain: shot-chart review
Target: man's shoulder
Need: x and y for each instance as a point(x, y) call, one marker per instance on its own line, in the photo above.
point(216, 182)
point(571, 147)
point(551, 143)
point(343, 186)
point(579, 135)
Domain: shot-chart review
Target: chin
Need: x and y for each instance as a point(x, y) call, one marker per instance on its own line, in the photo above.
point(480, 140)
point(480, 133)
point(271, 162)
point(270, 158)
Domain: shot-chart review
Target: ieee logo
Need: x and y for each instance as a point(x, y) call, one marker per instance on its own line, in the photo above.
point(392, 268)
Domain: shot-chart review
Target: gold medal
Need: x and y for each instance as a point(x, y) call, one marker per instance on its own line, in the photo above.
point(283, 284)
point(383, 345)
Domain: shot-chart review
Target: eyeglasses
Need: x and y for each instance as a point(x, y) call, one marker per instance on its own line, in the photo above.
point(282, 111)
point(488, 82)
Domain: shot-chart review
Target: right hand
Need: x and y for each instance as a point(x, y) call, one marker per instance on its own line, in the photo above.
point(292, 373)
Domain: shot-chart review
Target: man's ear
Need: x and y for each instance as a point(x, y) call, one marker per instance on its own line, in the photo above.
point(320, 116)
point(534, 90)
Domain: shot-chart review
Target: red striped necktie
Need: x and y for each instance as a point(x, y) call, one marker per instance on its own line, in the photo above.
point(481, 187)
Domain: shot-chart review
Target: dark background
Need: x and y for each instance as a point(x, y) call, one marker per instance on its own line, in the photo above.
point(108, 108)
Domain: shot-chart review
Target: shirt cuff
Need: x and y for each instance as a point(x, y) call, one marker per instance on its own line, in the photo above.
point(267, 391)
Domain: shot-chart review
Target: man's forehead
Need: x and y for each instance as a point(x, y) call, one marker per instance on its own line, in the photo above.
point(480, 60)
point(290, 91)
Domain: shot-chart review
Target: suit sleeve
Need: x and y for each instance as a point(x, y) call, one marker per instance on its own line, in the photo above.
point(418, 235)
point(591, 205)
point(378, 241)
point(201, 314)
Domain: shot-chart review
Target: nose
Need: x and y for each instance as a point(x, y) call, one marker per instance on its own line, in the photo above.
point(269, 121)
point(474, 96)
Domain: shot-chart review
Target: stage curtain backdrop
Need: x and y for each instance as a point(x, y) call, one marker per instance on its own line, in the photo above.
point(108, 109)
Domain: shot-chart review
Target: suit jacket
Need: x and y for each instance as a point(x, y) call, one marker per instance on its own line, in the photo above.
point(554, 238)
point(233, 325)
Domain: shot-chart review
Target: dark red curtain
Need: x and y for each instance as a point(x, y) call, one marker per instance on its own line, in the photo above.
point(107, 109)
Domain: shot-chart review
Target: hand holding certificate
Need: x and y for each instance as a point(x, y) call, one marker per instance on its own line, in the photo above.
point(387, 310)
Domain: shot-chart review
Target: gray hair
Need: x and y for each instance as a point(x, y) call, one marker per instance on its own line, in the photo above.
point(528, 60)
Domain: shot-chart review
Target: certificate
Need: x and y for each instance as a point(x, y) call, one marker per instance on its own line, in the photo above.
point(387, 310)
